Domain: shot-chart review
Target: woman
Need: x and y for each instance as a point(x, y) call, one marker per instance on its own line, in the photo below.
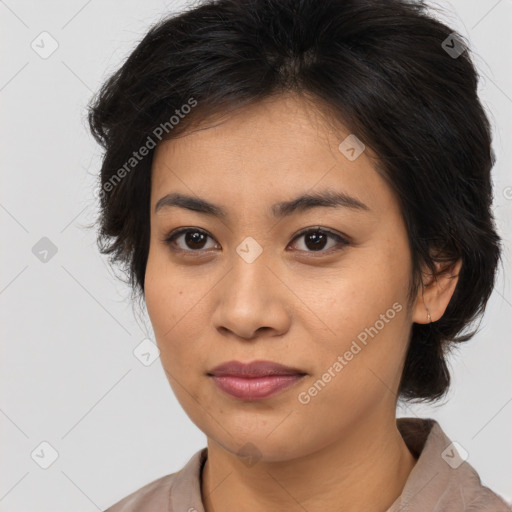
point(300, 192)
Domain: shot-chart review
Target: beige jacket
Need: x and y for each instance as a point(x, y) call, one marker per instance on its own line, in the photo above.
point(439, 482)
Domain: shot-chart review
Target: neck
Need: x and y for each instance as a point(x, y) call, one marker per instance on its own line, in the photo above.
point(364, 470)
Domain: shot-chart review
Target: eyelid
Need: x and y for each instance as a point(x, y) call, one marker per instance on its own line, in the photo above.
point(340, 238)
point(169, 238)
point(327, 231)
point(341, 241)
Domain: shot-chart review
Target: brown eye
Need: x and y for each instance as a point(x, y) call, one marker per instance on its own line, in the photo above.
point(191, 239)
point(316, 240)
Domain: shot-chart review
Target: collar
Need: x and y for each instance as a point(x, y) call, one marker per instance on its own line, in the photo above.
point(441, 478)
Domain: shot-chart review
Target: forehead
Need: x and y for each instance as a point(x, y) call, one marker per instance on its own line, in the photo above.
point(271, 150)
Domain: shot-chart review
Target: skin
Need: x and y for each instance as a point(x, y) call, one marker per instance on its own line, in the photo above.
point(292, 305)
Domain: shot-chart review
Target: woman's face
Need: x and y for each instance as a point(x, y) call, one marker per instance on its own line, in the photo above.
point(252, 288)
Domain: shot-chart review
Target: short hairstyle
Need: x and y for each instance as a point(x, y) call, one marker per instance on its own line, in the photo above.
point(400, 80)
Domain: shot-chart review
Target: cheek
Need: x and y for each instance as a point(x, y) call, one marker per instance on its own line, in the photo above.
point(176, 308)
point(365, 310)
point(166, 303)
point(166, 293)
point(172, 314)
point(358, 367)
point(355, 297)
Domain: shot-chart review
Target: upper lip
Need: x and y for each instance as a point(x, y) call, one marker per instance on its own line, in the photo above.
point(253, 369)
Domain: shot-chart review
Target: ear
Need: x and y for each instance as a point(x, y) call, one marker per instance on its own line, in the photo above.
point(435, 294)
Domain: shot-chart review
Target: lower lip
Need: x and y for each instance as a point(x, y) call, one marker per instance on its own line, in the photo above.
point(256, 388)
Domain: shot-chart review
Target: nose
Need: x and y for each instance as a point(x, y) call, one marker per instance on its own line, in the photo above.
point(251, 298)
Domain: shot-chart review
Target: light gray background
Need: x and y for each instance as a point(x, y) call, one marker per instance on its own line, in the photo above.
point(68, 373)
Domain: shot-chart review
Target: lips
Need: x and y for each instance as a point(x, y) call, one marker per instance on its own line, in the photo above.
point(254, 381)
point(254, 369)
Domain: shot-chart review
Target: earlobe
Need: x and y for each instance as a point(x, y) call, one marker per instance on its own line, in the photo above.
point(435, 293)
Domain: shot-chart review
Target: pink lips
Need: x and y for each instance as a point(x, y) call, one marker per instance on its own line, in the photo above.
point(256, 380)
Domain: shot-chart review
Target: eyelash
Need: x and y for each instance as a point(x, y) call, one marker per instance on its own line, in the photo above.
point(341, 241)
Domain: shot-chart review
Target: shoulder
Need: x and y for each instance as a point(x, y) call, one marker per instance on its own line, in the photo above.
point(475, 496)
point(178, 491)
point(152, 496)
point(442, 479)
point(463, 483)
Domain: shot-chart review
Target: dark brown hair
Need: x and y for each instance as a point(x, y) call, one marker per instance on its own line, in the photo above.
point(401, 81)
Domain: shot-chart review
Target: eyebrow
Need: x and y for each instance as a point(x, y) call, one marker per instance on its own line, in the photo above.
point(326, 198)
